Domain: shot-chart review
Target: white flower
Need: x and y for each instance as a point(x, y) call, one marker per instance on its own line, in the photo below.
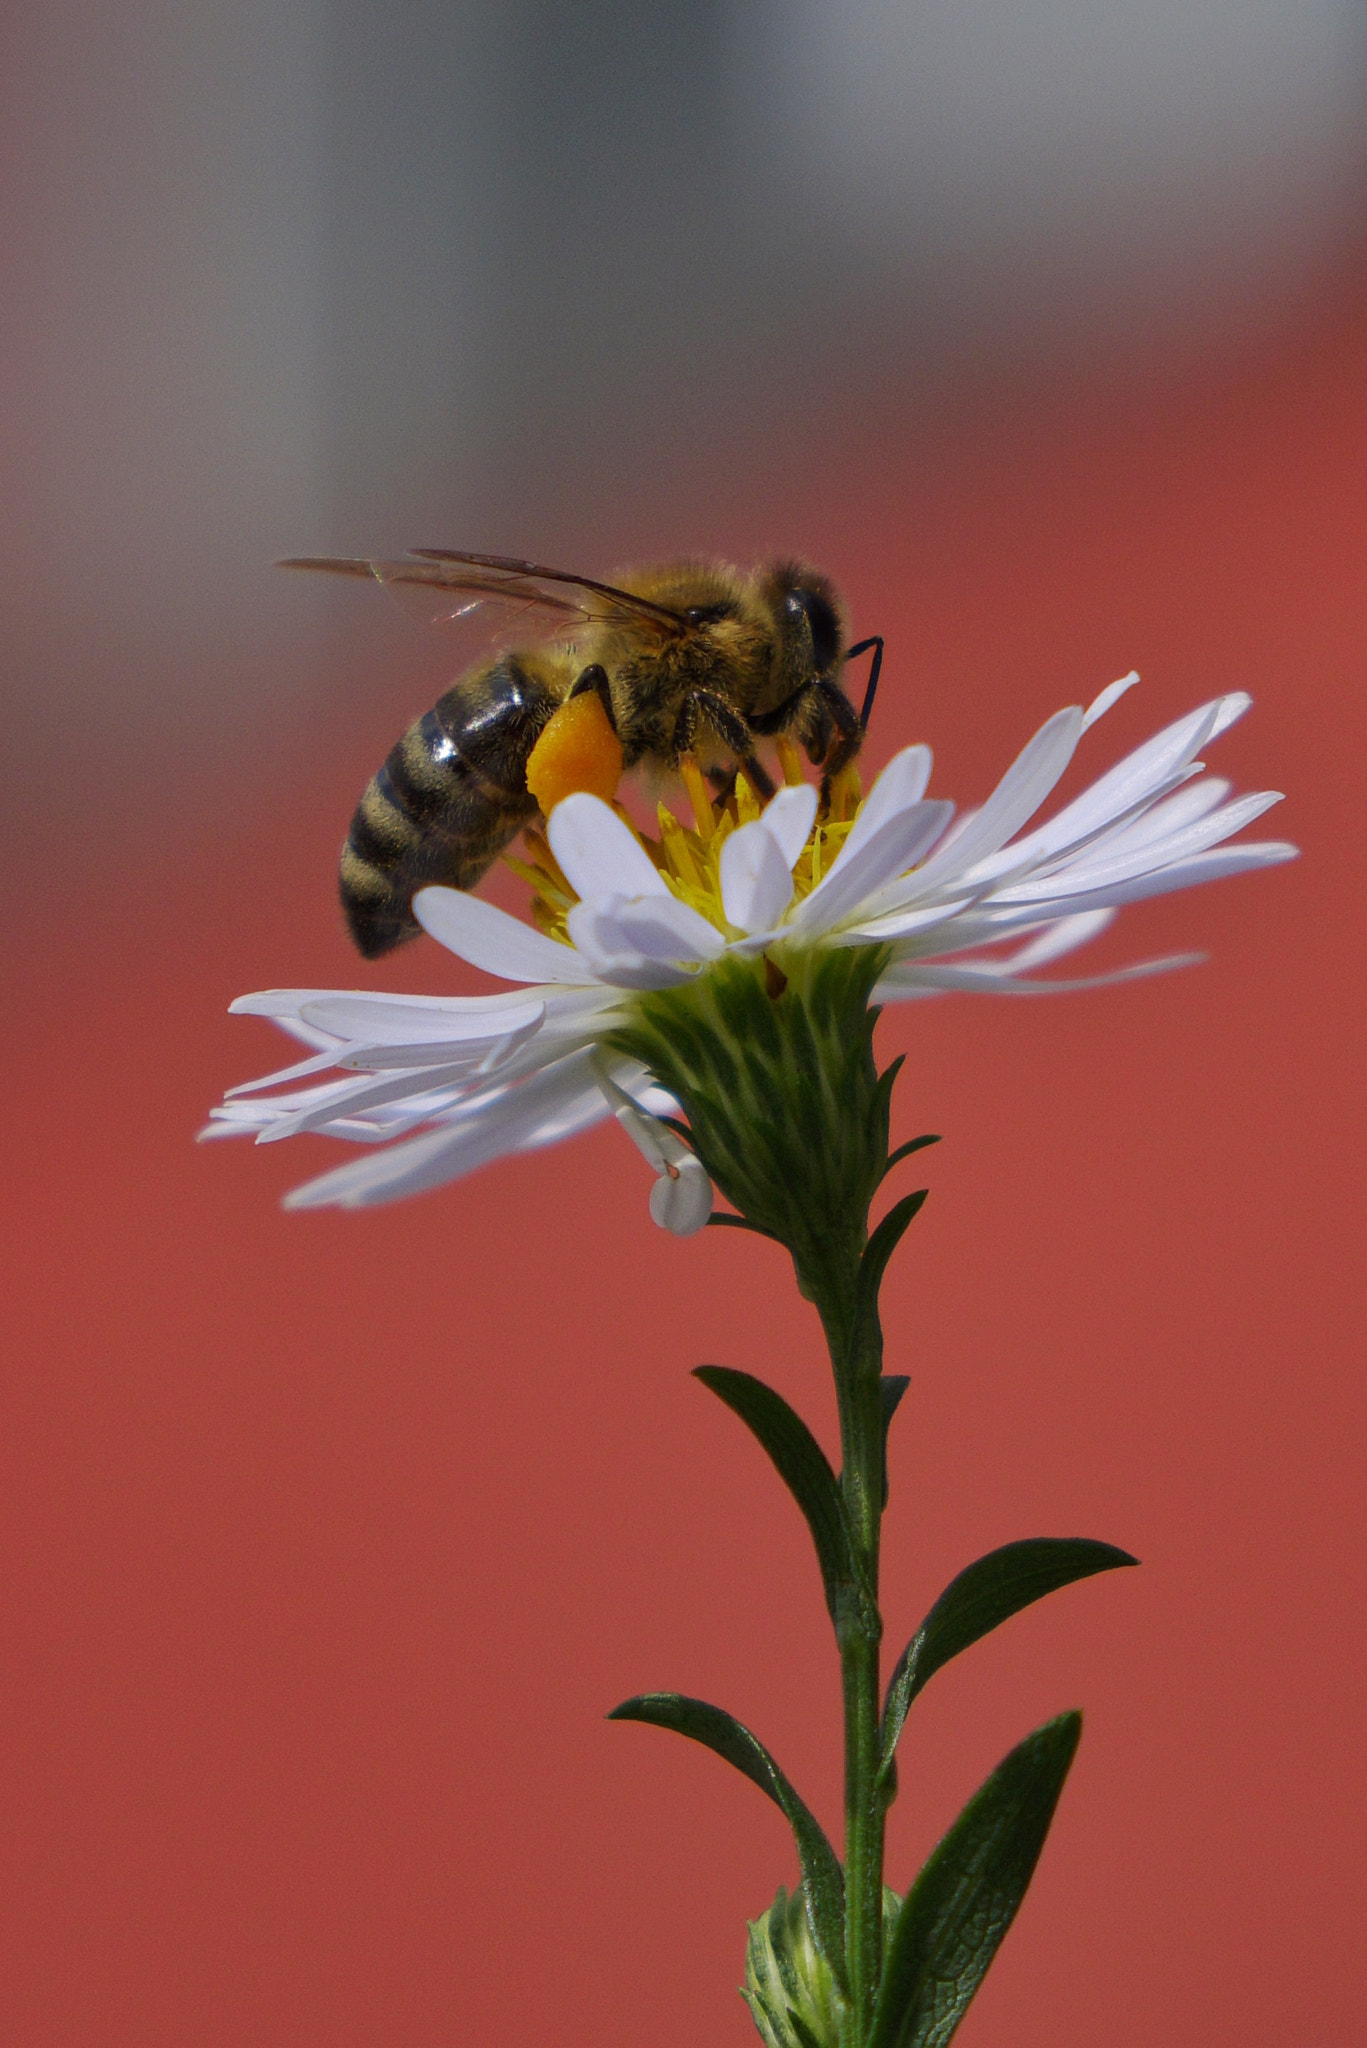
point(438, 1085)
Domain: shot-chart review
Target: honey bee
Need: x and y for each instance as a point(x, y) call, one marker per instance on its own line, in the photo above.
point(692, 663)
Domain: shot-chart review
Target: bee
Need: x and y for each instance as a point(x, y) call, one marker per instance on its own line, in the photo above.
point(692, 663)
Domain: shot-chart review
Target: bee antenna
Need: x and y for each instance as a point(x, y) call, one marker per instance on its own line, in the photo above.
point(874, 641)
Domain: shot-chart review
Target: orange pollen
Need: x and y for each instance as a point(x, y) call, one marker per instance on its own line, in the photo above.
point(578, 750)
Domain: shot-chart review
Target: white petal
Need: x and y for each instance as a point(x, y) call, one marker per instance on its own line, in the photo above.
point(279, 1002)
point(1155, 822)
point(365, 1093)
point(599, 854)
point(258, 1113)
point(880, 930)
point(319, 1064)
point(374, 1020)
point(1019, 794)
point(900, 840)
point(485, 1053)
point(1065, 935)
point(1143, 775)
point(681, 1201)
point(1099, 868)
point(790, 816)
point(661, 927)
point(928, 979)
point(901, 785)
point(488, 938)
point(756, 875)
point(1109, 697)
point(559, 1100)
point(1183, 874)
point(656, 1101)
point(618, 930)
point(597, 935)
point(1229, 710)
point(644, 1130)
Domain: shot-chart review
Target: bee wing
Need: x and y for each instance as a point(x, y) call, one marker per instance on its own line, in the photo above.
point(440, 595)
point(441, 586)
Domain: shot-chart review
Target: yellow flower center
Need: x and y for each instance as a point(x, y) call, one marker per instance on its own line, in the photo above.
point(689, 855)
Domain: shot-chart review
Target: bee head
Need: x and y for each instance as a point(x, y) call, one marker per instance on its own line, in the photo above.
point(807, 613)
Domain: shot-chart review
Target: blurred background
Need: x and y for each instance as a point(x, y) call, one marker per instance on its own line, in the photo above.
point(1042, 325)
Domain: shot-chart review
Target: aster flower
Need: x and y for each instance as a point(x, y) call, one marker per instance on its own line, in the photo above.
point(716, 989)
point(442, 1085)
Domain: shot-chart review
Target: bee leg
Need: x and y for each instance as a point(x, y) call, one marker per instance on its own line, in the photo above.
point(848, 725)
point(874, 641)
point(596, 678)
point(731, 729)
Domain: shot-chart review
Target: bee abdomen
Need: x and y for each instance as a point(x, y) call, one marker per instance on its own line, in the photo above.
point(448, 799)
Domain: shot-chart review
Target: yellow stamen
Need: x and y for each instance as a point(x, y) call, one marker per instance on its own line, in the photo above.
point(674, 841)
point(789, 760)
point(704, 817)
point(845, 791)
point(539, 847)
point(690, 861)
point(748, 805)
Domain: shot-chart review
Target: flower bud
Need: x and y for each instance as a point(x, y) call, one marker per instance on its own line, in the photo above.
point(789, 1987)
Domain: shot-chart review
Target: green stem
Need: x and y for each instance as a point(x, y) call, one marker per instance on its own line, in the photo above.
point(789, 1114)
point(855, 1345)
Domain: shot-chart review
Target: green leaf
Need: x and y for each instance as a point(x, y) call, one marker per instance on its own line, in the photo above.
point(955, 1915)
point(720, 1731)
point(985, 1594)
point(891, 1386)
point(881, 1105)
point(883, 1243)
point(719, 1220)
point(905, 1151)
point(806, 1471)
point(800, 2031)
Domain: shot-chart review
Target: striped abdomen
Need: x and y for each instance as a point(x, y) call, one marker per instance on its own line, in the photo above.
point(448, 799)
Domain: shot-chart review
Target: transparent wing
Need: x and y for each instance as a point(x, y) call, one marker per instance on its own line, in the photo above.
point(440, 586)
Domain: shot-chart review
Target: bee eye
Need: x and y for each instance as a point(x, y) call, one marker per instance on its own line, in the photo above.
point(820, 616)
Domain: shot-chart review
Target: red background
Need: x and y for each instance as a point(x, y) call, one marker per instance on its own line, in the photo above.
point(329, 1539)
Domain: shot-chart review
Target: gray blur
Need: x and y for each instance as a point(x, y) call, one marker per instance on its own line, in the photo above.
point(344, 274)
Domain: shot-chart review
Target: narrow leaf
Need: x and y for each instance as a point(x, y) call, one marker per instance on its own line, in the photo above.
point(891, 1386)
point(806, 1471)
point(884, 1243)
point(985, 1594)
point(880, 1108)
point(905, 1151)
point(720, 1731)
point(955, 1915)
point(800, 2031)
point(719, 1219)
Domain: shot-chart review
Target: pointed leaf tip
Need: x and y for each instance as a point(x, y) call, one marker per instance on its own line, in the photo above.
point(905, 1151)
point(806, 1471)
point(985, 1594)
point(731, 1740)
point(884, 1242)
point(957, 1913)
